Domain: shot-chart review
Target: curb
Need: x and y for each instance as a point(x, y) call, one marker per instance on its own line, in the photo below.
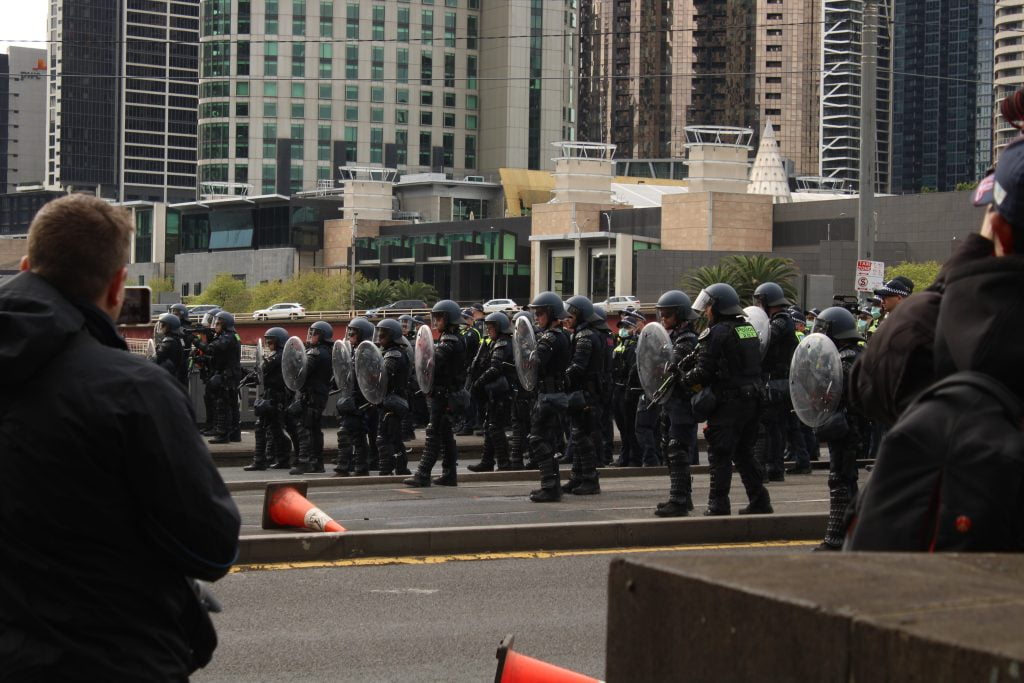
point(311, 547)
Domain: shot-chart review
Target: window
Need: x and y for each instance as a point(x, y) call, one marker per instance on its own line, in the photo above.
point(401, 96)
point(351, 142)
point(351, 113)
point(270, 59)
point(242, 58)
point(326, 18)
point(298, 90)
point(326, 56)
point(471, 72)
point(378, 22)
point(402, 65)
point(377, 114)
point(376, 145)
point(447, 150)
point(242, 89)
point(216, 59)
point(377, 63)
point(472, 30)
point(402, 147)
point(242, 141)
point(426, 98)
point(325, 91)
point(351, 92)
point(298, 110)
point(449, 29)
point(402, 116)
point(323, 111)
point(426, 67)
point(376, 94)
point(352, 21)
point(426, 118)
point(471, 122)
point(213, 141)
point(424, 148)
point(449, 100)
point(270, 89)
point(297, 139)
point(449, 70)
point(403, 24)
point(470, 160)
point(269, 109)
point(427, 27)
point(352, 61)
point(270, 17)
point(448, 120)
point(471, 102)
point(298, 60)
point(269, 140)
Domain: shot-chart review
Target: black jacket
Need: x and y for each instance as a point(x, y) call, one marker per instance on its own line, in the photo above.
point(728, 357)
point(110, 499)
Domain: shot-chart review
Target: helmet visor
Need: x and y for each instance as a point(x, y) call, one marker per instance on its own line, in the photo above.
point(704, 300)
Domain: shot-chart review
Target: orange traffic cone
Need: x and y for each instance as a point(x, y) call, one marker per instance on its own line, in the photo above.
point(285, 506)
point(516, 668)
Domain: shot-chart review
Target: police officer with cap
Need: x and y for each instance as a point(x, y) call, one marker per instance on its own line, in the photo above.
point(552, 359)
point(726, 367)
point(449, 377)
point(354, 414)
point(778, 407)
point(309, 404)
point(394, 406)
point(225, 353)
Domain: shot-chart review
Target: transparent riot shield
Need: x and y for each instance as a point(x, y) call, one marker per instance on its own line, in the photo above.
point(653, 358)
point(293, 364)
point(815, 379)
point(756, 316)
point(342, 366)
point(369, 371)
point(423, 359)
point(524, 344)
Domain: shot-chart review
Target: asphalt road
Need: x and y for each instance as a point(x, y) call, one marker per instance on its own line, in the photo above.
point(438, 620)
point(387, 506)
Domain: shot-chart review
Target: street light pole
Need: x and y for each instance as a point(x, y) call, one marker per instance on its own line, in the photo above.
point(352, 267)
point(608, 258)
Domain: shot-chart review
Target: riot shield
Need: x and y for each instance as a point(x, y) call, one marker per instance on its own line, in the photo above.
point(261, 354)
point(369, 363)
point(756, 316)
point(150, 349)
point(293, 364)
point(423, 359)
point(653, 357)
point(524, 343)
point(341, 365)
point(815, 379)
point(157, 333)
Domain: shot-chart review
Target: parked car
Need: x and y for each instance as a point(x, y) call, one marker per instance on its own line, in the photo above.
point(498, 305)
point(280, 312)
point(395, 308)
point(616, 304)
point(196, 312)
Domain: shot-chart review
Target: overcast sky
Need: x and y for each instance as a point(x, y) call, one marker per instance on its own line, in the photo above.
point(22, 21)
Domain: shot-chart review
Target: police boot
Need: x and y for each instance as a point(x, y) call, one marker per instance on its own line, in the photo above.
point(387, 459)
point(839, 500)
point(486, 463)
point(447, 478)
point(515, 455)
point(589, 483)
point(550, 491)
point(402, 461)
point(236, 435)
point(760, 504)
point(501, 451)
point(430, 452)
point(449, 463)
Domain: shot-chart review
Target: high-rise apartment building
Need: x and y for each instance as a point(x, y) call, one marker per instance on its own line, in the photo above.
point(841, 92)
point(942, 95)
point(649, 69)
point(1008, 67)
point(22, 117)
point(293, 89)
point(122, 97)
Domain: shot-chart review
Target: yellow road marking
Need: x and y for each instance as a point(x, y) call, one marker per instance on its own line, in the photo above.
point(517, 555)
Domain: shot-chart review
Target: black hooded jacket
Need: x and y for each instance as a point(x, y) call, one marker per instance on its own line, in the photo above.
point(110, 499)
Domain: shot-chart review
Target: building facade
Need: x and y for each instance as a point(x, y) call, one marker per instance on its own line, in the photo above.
point(1008, 65)
point(942, 95)
point(122, 98)
point(22, 117)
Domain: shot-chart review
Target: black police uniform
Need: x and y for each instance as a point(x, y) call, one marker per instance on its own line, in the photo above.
point(605, 420)
point(493, 388)
point(354, 415)
point(200, 360)
point(449, 378)
point(778, 406)
point(680, 427)
point(309, 406)
point(392, 409)
point(552, 357)
point(471, 418)
point(624, 401)
point(272, 444)
point(728, 360)
point(225, 373)
point(584, 382)
point(171, 356)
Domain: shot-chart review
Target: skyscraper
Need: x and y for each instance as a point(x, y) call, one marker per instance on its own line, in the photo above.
point(942, 94)
point(22, 116)
point(122, 97)
point(1007, 73)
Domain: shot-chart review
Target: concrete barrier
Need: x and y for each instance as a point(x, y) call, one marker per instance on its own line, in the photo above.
point(304, 547)
point(816, 617)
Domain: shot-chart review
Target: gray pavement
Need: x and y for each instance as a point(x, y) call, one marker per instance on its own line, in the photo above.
point(422, 622)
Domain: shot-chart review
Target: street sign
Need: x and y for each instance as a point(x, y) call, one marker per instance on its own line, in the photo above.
point(870, 276)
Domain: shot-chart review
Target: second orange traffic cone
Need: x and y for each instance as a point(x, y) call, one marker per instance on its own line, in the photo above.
point(286, 506)
point(516, 668)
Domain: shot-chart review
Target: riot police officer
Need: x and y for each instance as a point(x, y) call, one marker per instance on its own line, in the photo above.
point(354, 413)
point(170, 354)
point(522, 405)
point(847, 432)
point(493, 386)
point(676, 314)
point(412, 393)
point(777, 407)
point(394, 406)
point(449, 377)
point(475, 340)
point(225, 353)
point(726, 366)
point(551, 358)
point(309, 403)
point(605, 421)
point(272, 445)
point(583, 382)
point(200, 336)
point(623, 399)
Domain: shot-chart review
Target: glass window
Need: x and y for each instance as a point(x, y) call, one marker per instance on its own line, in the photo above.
point(470, 160)
point(242, 88)
point(401, 146)
point(378, 22)
point(242, 140)
point(471, 121)
point(472, 30)
point(471, 102)
point(323, 131)
point(270, 17)
point(427, 26)
point(270, 109)
point(351, 113)
point(426, 67)
point(298, 60)
point(471, 72)
point(426, 118)
point(424, 148)
point(449, 29)
point(352, 61)
point(242, 58)
point(351, 143)
point(377, 63)
point(351, 92)
point(402, 65)
point(352, 21)
point(376, 145)
point(323, 151)
point(403, 24)
point(216, 59)
point(448, 120)
point(298, 17)
point(376, 94)
point(324, 91)
point(448, 150)
point(402, 96)
point(402, 116)
point(449, 100)
point(324, 111)
point(298, 90)
point(269, 89)
point(426, 98)
point(326, 18)
point(270, 59)
point(377, 114)
point(449, 70)
point(298, 110)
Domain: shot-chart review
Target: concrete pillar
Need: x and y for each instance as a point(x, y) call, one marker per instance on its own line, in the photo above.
point(623, 264)
point(581, 268)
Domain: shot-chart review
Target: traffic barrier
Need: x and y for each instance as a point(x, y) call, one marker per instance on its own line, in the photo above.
point(285, 506)
point(516, 668)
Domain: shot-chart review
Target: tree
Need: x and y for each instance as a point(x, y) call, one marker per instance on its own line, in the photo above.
point(161, 285)
point(921, 274)
point(227, 292)
point(372, 293)
point(744, 273)
point(404, 289)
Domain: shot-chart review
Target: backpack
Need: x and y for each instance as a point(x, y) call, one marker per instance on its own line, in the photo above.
point(949, 476)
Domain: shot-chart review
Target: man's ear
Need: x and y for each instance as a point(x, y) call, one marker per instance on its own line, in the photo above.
point(24, 265)
point(113, 298)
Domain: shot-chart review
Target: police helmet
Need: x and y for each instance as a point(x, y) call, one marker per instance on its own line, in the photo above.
point(581, 307)
point(408, 322)
point(720, 298)
point(324, 329)
point(499, 320)
point(393, 328)
point(676, 302)
point(523, 314)
point(449, 310)
point(227, 320)
point(181, 311)
point(171, 322)
point(769, 294)
point(550, 301)
point(210, 317)
point(363, 327)
point(467, 314)
point(837, 323)
point(278, 334)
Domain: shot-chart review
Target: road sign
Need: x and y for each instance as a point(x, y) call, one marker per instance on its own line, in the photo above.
point(870, 275)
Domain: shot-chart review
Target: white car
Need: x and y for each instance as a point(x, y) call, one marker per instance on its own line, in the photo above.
point(499, 305)
point(280, 312)
point(617, 304)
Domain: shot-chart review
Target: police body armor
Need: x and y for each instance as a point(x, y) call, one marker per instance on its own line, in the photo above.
point(781, 347)
point(553, 355)
point(450, 363)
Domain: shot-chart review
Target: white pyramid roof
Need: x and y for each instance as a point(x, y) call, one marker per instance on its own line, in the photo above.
point(768, 175)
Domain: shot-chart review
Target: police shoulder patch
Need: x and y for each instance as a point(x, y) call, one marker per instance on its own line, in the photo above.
point(705, 333)
point(393, 353)
point(746, 331)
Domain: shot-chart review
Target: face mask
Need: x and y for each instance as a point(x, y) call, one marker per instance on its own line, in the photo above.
point(875, 311)
point(862, 325)
point(623, 333)
point(810, 325)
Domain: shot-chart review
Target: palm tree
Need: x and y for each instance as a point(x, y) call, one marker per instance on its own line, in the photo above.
point(744, 273)
point(404, 289)
point(371, 293)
